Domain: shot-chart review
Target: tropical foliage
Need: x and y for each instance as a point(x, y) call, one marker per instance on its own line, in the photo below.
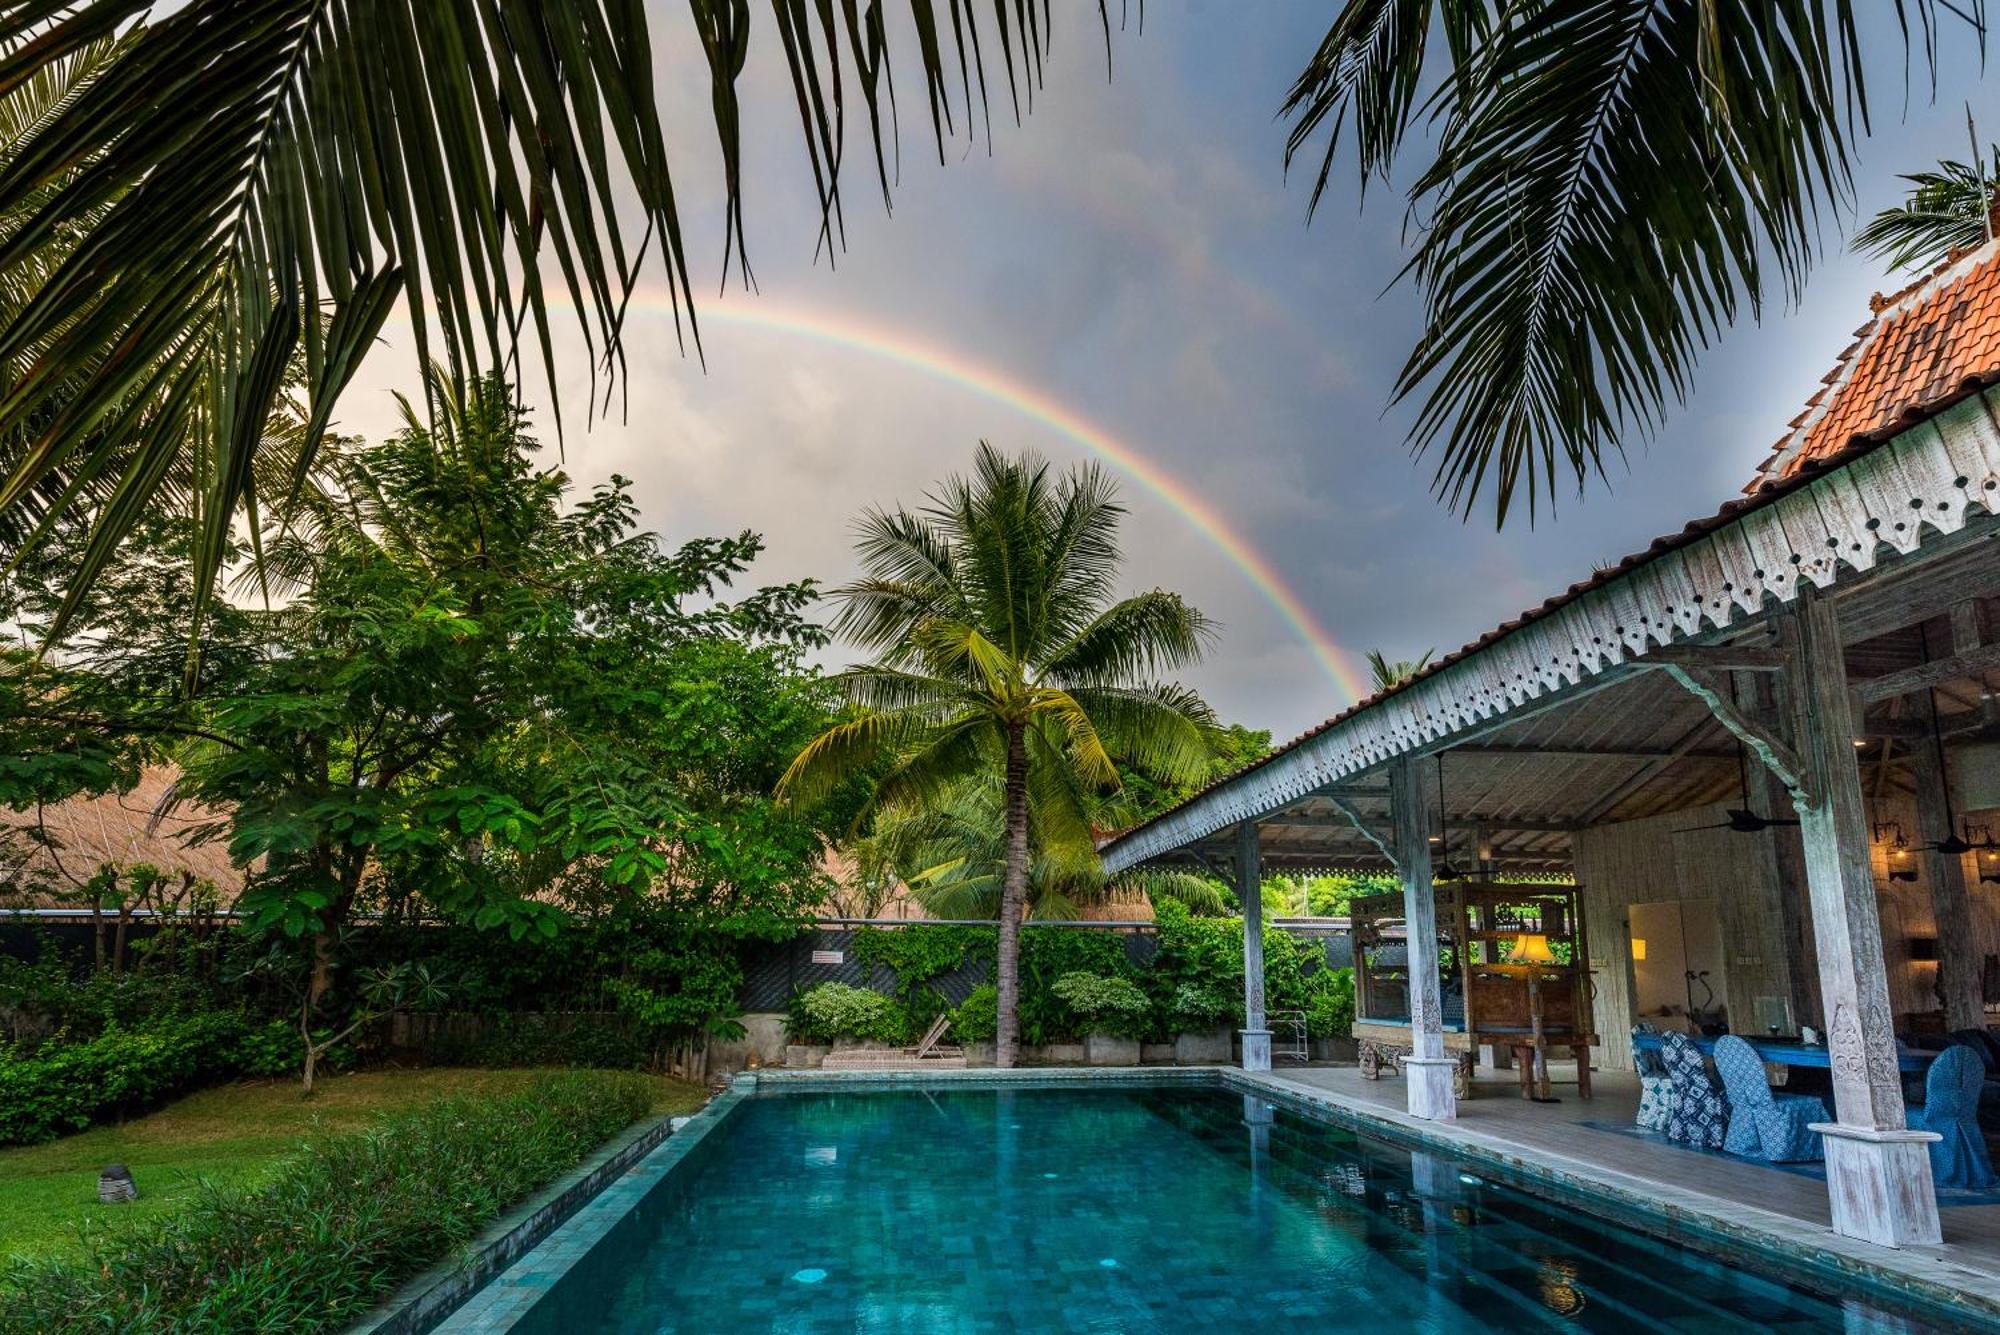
point(1950, 209)
point(1387, 675)
point(1003, 655)
point(1611, 184)
point(335, 1228)
point(205, 225)
point(478, 701)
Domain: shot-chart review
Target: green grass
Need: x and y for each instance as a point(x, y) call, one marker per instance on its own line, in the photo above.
point(230, 1136)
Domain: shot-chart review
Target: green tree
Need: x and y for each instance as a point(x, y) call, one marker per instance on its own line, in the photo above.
point(1950, 209)
point(952, 855)
point(1610, 184)
point(1000, 650)
point(478, 699)
point(1141, 796)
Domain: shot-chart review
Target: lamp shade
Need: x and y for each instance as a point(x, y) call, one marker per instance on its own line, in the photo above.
point(1639, 948)
point(1531, 948)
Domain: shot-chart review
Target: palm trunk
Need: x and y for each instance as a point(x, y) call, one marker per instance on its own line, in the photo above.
point(1013, 899)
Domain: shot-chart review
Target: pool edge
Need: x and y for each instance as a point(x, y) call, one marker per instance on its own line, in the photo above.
point(1835, 1267)
point(1918, 1277)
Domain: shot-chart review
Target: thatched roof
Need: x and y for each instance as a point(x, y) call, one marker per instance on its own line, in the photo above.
point(122, 828)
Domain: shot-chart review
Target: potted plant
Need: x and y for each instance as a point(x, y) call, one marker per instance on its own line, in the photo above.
point(1113, 1014)
point(974, 1022)
point(1330, 1016)
point(831, 1015)
point(1202, 1014)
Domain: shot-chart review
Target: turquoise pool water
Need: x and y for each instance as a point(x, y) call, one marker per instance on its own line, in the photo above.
point(1122, 1209)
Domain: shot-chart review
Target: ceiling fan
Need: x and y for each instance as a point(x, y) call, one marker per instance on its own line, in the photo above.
point(1742, 820)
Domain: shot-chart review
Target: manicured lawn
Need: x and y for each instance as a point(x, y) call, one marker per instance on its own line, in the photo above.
point(228, 1136)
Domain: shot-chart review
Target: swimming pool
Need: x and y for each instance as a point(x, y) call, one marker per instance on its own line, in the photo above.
point(1134, 1208)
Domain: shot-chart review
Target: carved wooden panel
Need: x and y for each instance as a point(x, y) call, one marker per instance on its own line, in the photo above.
point(1917, 488)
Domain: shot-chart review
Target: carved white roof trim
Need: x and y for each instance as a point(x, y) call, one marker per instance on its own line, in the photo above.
point(1919, 486)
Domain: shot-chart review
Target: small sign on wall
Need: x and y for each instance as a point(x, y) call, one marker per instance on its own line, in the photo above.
point(829, 957)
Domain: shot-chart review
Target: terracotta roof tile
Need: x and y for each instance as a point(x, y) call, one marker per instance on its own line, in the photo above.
point(1927, 346)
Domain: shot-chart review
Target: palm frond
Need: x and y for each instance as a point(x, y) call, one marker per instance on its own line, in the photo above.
point(253, 179)
point(1139, 636)
point(1947, 210)
point(1615, 182)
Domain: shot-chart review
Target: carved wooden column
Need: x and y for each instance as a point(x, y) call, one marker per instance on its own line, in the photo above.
point(1428, 1070)
point(1878, 1172)
point(1250, 890)
point(1787, 871)
point(1944, 873)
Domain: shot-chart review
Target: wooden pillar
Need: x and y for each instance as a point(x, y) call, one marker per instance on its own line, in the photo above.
point(1944, 874)
point(1428, 1071)
point(1878, 1172)
point(1250, 890)
point(1788, 873)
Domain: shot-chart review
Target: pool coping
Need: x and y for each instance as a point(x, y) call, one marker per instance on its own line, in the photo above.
point(1920, 1278)
point(504, 1298)
point(420, 1304)
point(1923, 1278)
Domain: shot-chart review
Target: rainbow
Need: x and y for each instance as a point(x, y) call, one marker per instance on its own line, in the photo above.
point(945, 364)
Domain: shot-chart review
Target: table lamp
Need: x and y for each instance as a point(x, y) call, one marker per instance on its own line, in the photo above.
point(1532, 948)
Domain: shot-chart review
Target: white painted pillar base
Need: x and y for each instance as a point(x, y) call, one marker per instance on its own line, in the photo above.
point(1879, 1183)
point(1429, 1080)
point(1256, 1049)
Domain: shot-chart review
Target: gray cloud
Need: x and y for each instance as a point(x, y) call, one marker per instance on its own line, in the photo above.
point(1133, 252)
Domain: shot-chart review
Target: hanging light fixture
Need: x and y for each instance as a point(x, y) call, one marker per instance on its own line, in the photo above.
point(1951, 845)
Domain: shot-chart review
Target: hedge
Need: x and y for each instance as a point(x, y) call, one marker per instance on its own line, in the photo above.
point(64, 1087)
point(337, 1227)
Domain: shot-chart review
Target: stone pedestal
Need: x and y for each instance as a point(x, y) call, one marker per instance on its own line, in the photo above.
point(1107, 1050)
point(1430, 1087)
point(1256, 1049)
point(1879, 1183)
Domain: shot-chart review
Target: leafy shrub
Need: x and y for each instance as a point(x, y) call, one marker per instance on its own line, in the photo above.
point(64, 1087)
point(828, 1012)
point(1113, 1006)
point(599, 1040)
point(1330, 1004)
point(922, 952)
point(977, 1018)
point(1047, 953)
point(335, 1229)
point(1201, 1007)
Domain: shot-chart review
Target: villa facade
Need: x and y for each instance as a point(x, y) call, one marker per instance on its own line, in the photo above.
point(1767, 748)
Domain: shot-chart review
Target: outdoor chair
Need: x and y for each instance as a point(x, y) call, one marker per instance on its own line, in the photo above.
point(1700, 1115)
point(1951, 1108)
point(1981, 1043)
point(1656, 1088)
point(1763, 1125)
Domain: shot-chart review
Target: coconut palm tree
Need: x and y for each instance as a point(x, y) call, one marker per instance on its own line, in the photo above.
point(1950, 209)
point(1001, 651)
point(249, 186)
point(1610, 184)
point(952, 855)
point(1387, 675)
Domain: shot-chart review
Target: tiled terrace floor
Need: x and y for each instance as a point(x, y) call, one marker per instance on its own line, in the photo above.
point(1970, 1257)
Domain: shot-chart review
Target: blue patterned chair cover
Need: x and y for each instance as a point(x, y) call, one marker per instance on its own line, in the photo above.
point(1656, 1088)
point(1699, 1116)
point(1951, 1108)
point(1763, 1125)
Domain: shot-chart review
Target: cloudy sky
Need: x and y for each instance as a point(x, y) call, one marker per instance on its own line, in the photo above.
point(1133, 260)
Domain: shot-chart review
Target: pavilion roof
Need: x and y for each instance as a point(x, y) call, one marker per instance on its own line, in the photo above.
point(1911, 363)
